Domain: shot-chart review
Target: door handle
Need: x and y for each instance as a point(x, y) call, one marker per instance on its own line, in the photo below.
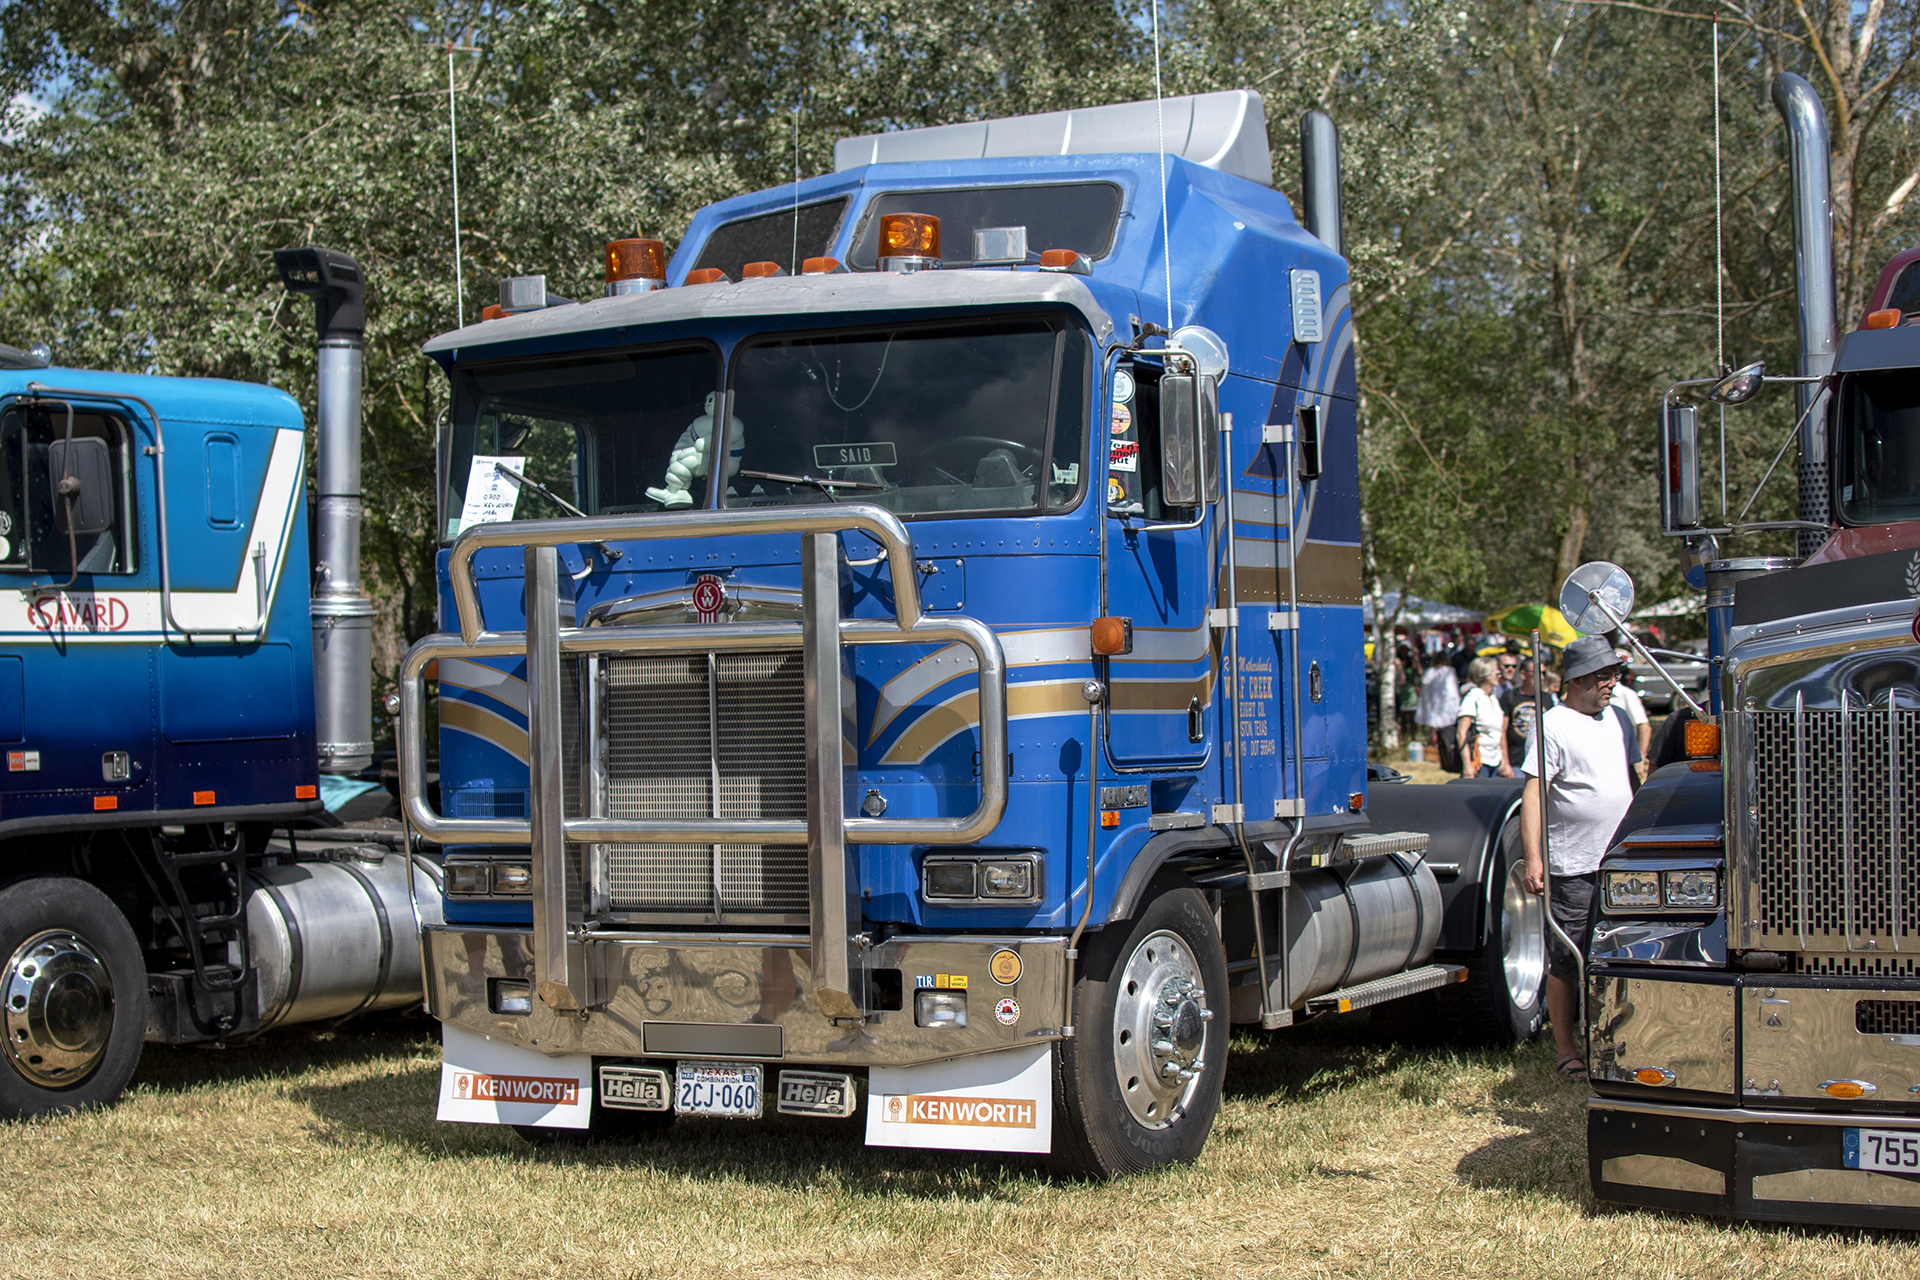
point(1196, 728)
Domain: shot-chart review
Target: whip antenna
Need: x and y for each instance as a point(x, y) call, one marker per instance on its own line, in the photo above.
point(453, 138)
point(1160, 124)
point(1719, 269)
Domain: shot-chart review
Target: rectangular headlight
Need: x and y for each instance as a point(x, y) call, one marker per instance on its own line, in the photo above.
point(1006, 879)
point(467, 880)
point(1693, 889)
point(939, 1008)
point(946, 879)
point(512, 877)
point(1629, 889)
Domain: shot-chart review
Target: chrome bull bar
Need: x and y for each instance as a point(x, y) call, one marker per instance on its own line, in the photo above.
point(819, 636)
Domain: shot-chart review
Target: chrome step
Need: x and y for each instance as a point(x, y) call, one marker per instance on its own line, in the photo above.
point(1392, 987)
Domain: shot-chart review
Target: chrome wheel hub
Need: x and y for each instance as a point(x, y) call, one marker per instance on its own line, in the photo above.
point(1160, 1018)
point(1523, 938)
point(57, 1000)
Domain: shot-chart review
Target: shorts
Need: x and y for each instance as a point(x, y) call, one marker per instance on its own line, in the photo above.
point(1572, 907)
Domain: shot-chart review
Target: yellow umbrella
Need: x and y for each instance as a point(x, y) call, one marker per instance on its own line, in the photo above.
point(1519, 619)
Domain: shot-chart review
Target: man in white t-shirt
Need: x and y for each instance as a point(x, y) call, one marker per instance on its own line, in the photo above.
point(1440, 705)
point(1588, 791)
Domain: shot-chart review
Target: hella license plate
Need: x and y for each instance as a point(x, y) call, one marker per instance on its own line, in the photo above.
point(718, 1089)
point(1887, 1150)
point(634, 1089)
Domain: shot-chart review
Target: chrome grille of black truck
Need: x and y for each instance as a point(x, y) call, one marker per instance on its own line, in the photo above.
point(1835, 854)
point(702, 736)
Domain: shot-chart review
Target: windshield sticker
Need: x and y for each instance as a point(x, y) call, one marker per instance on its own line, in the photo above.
point(1125, 456)
point(879, 453)
point(1122, 419)
point(1067, 475)
point(490, 495)
point(1122, 385)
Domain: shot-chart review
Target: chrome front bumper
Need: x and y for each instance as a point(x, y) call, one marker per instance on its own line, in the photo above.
point(747, 997)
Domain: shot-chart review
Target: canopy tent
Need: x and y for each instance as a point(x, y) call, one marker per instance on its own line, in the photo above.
point(1422, 613)
point(1521, 619)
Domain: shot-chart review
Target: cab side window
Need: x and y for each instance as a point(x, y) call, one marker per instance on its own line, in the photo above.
point(66, 493)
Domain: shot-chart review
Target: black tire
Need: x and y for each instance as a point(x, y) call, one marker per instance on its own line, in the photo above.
point(73, 994)
point(1503, 1001)
point(1099, 1129)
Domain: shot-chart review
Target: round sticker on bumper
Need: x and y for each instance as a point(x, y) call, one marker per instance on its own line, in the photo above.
point(1007, 1012)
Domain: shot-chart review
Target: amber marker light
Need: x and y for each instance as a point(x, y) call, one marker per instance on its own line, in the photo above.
point(1069, 260)
point(203, 797)
point(762, 271)
point(708, 275)
point(1112, 636)
point(1702, 739)
point(1356, 801)
point(1654, 1076)
point(1109, 817)
point(822, 267)
point(636, 266)
point(1848, 1088)
point(491, 311)
point(909, 235)
point(101, 803)
point(306, 791)
point(1885, 318)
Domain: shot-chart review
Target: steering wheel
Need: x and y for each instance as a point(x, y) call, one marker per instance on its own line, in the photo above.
point(1028, 454)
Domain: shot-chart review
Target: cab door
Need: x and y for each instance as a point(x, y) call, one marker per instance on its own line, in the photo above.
point(81, 615)
point(1162, 693)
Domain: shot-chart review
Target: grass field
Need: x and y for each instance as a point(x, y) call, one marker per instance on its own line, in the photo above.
point(1338, 1153)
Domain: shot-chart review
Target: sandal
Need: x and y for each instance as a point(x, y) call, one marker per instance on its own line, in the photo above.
point(1571, 1068)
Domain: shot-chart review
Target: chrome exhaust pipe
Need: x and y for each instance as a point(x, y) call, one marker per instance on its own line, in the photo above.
point(342, 614)
point(1808, 150)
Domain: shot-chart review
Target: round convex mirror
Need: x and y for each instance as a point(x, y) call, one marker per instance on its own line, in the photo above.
point(1206, 347)
point(1587, 589)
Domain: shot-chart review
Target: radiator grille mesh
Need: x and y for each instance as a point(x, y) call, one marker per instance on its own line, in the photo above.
point(1836, 854)
point(671, 725)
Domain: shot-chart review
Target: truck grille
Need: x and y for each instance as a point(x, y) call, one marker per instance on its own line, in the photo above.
point(1836, 850)
point(705, 736)
point(1887, 1017)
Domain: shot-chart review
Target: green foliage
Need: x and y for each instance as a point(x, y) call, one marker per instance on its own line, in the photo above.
point(1530, 202)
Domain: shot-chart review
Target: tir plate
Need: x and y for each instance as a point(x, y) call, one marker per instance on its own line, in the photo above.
point(1885, 1150)
point(718, 1089)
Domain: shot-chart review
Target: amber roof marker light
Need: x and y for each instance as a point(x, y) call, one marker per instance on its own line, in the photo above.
point(638, 265)
point(909, 242)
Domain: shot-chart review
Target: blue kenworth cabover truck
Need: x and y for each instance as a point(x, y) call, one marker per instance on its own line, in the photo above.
point(906, 652)
point(173, 681)
point(1753, 985)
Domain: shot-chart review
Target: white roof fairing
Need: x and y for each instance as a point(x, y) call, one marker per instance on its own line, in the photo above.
point(1226, 131)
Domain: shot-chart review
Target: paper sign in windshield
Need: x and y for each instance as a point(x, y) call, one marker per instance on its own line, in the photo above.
point(879, 453)
point(1124, 456)
point(490, 495)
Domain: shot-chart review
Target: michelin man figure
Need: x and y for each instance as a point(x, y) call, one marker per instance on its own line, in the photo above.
point(690, 458)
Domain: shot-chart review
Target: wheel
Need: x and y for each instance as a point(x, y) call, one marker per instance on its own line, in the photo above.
point(1139, 1084)
point(1503, 1000)
point(73, 995)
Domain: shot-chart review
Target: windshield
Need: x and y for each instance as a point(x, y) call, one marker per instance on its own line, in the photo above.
point(1879, 447)
point(610, 435)
point(921, 420)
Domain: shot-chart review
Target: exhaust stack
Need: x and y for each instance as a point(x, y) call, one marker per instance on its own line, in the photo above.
point(1320, 179)
point(1808, 150)
point(342, 614)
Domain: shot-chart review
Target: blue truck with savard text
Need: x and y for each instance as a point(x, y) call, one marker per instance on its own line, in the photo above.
point(901, 656)
point(184, 653)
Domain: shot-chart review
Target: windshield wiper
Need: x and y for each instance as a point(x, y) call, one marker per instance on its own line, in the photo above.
point(825, 486)
point(611, 553)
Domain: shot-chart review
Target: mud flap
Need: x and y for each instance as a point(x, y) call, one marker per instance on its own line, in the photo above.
point(488, 1081)
point(999, 1101)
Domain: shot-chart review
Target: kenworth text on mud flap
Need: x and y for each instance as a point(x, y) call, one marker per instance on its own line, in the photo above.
point(161, 658)
point(1753, 984)
point(881, 665)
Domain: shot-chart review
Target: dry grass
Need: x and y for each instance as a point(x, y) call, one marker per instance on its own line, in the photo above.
point(1338, 1153)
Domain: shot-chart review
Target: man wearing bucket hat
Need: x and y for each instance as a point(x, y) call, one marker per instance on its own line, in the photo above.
point(1588, 789)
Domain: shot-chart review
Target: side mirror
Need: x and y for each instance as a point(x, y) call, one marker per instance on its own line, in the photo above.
point(1180, 426)
point(1740, 386)
point(80, 474)
point(1210, 443)
point(1680, 470)
point(1597, 597)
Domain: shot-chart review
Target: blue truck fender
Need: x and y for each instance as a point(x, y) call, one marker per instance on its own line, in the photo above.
point(1172, 847)
point(1464, 818)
